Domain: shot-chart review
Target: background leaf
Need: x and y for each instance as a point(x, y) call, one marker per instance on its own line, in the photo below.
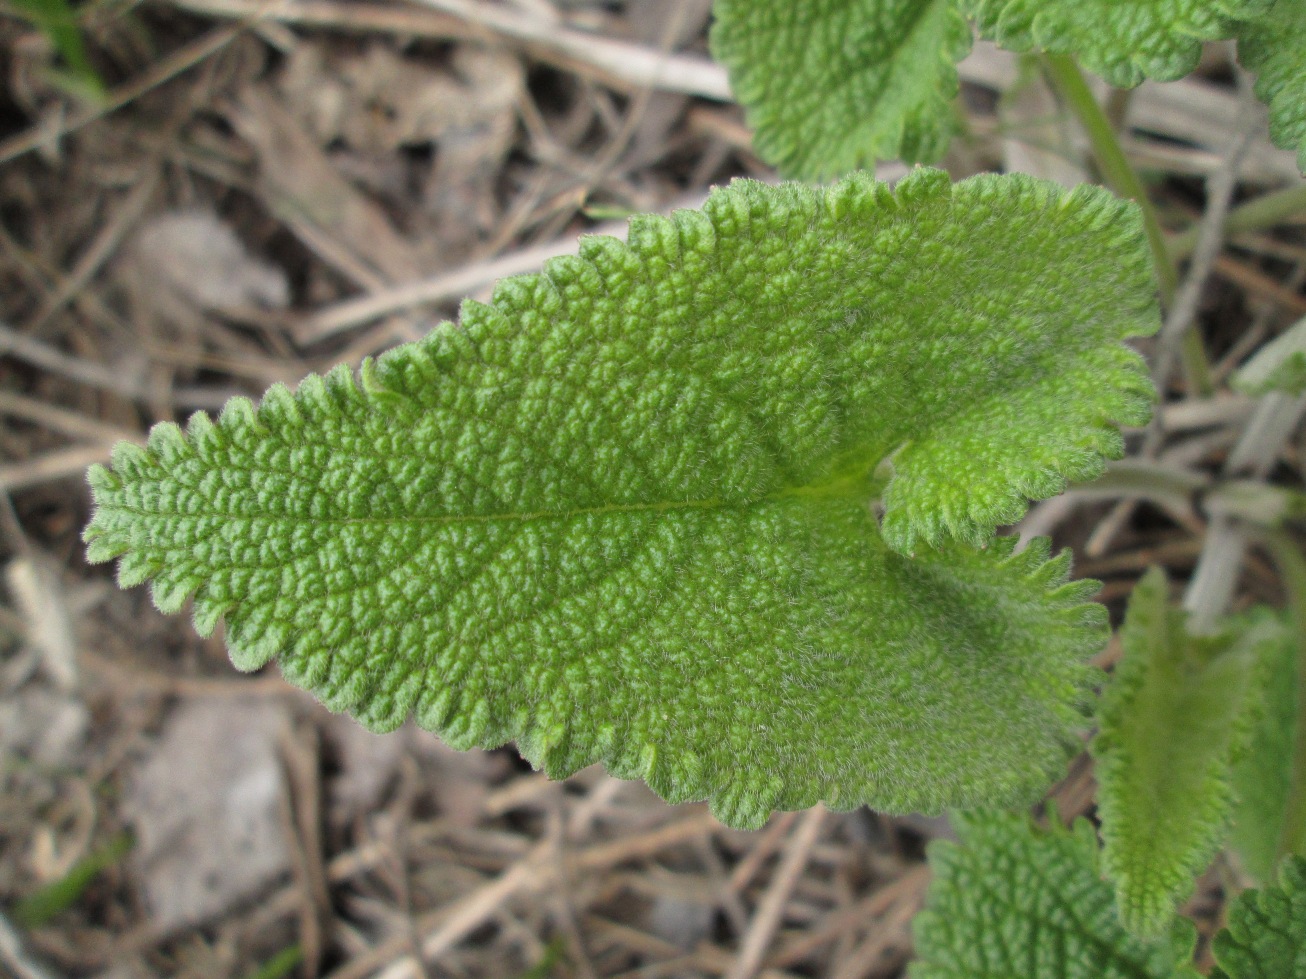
point(833, 85)
point(1266, 935)
point(1011, 900)
point(1273, 46)
point(1124, 41)
point(1173, 718)
point(623, 512)
point(59, 22)
point(1262, 777)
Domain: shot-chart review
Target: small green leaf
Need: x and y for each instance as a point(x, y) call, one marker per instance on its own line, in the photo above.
point(1266, 936)
point(1124, 41)
point(1010, 901)
point(1177, 712)
point(833, 85)
point(38, 908)
point(1262, 777)
point(623, 513)
point(1273, 46)
point(1280, 365)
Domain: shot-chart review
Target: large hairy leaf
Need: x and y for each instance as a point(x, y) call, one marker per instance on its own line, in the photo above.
point(623, 513)
point(1012, 901)
point(833, 85)
point(1266, 936)
point(1124, 41)
point(1177, 712)
point(1262, 778)
point(1273, 45)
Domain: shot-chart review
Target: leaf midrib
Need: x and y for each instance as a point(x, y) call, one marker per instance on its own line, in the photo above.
point(846, 486)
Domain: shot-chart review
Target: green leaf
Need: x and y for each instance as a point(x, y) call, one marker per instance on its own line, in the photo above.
point(1016, 902)
point(833, 85)
point(1173, 719)
point(1273, 46)
point(1266, 936)
point(623, 512)
point(1124, 41)
point(1262, 777)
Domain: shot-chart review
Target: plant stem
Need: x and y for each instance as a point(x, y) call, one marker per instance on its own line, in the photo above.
point(1292, 566)
point(1116, 170)
point(1121, 177)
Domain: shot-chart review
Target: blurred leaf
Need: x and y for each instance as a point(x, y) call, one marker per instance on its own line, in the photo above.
point(1273, 46)
point(41, 906)
point(1266, 937)
point(1262, 778)
point(56, 19)
point(280, 965)
point(543, 969)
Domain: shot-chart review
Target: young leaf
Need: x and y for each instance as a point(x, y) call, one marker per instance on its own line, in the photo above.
point(622, 513)
point(1124, 41)
point(1010, 900)
point(1266, 936)
point(833, 85)
point(1273, 46)
point(1262, 777)
point(1178, 710)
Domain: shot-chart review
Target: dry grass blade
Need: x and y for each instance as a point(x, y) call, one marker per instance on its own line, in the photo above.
point(769, 912)
point(71, 423)
point(48, 358)
point(60, 464)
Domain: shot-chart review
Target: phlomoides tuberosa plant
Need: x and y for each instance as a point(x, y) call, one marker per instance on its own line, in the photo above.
point(718, 506)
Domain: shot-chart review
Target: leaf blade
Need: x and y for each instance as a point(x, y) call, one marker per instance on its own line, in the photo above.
point(622, 512)
point(1266, 934)
point(1270, 45)
point(833, 85)
point(1175, 717)
point(1009, 899)
point(1124, 41)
